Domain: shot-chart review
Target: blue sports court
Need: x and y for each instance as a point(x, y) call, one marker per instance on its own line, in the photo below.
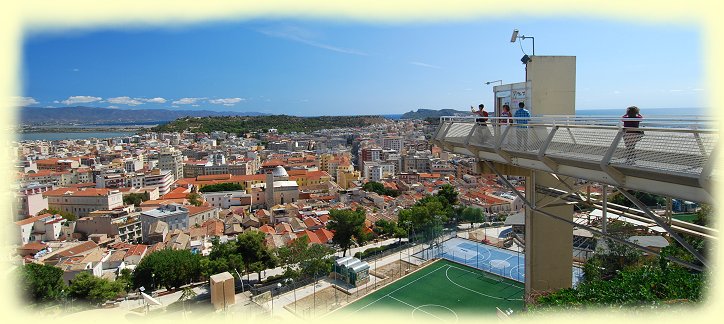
point(505, 263)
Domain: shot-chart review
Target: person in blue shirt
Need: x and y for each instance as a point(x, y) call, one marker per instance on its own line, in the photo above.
point(522, 116)
point(521, 113)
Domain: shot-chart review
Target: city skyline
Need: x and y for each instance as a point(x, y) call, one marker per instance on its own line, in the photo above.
point(320, 67)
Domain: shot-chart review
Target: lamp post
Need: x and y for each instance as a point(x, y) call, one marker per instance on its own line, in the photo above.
point(515, 36)
point(278, 286)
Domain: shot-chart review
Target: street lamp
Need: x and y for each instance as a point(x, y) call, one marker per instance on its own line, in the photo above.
point(489, 82)
point(278, 285)
point(515, 36)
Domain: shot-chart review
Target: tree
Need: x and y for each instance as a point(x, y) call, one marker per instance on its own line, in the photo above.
point(316, 261)
point(346, 224)
point(67, 215)
point(95, 290)
point(194, 199)
point(187, 293)
point(126, 279)
point(379, 188)
point(136, 198)
point(227, 186)
point(253, 250)
point(399, 233)
point(448, 192)
point(42, 283)
point(472, 215)
point(648, 199)
point(223, 257)
point(293, 253)
point(606, 263)
point(702, 216)
point(167, 268)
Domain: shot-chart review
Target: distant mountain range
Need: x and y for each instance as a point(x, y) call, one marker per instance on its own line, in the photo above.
point(95, 115)
point(430, 113)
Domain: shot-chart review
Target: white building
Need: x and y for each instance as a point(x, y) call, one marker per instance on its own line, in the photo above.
point(226, 199)
point(375, 171)
point(81, 201)
point(175, 215)
point(161, 179)
point(171, 159)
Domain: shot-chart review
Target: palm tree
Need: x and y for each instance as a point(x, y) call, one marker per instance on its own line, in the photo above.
point(186, 294)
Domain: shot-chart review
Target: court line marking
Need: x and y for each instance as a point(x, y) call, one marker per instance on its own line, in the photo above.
point(477, 292)
point(389, 293)
point(468, 271)
point(414, 308)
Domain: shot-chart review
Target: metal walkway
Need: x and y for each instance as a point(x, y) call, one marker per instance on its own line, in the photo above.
point(673, 157)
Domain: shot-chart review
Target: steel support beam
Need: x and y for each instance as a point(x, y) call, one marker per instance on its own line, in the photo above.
point(666, 227)
point(593, 229)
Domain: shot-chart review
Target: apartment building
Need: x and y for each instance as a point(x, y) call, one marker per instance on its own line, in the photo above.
point(81, 201)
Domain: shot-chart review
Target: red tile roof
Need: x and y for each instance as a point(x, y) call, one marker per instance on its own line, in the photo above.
point(194, 210)
point(33, 219)
point(138, 249)
point(267, 229)
point(78, 192)
point(324, 235)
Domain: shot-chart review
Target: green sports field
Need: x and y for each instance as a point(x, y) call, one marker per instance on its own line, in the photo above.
point(444, 291)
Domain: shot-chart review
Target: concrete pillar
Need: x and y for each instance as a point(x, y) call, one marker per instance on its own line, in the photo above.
point(548, 242)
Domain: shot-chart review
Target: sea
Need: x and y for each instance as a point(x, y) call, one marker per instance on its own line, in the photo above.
point(650, 112)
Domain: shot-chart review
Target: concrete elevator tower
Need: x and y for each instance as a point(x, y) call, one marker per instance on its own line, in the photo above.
point(549, 90)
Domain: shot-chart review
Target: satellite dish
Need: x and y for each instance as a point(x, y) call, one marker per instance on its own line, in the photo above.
point(150, 300)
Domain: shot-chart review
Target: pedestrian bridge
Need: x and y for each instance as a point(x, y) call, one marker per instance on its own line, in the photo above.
point(674, 156)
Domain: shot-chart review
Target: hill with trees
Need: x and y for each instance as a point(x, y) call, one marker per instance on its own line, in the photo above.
point(282, 123)
point(430, 113)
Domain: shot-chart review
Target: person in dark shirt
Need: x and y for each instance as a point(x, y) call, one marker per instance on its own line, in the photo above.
point(632, 134)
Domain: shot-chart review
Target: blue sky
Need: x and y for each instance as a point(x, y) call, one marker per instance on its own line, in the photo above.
point(321, 67)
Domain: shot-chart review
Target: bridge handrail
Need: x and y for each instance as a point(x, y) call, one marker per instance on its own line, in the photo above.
point(666, 124)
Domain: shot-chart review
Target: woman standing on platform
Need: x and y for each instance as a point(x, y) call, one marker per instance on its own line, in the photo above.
point(506, 115)
point(481, 112)
point(632, 134)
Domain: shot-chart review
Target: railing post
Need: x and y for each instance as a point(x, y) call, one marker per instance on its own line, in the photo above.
point(542, 151)
point(615, 175)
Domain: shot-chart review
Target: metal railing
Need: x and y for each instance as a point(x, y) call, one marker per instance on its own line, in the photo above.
point(680, 146)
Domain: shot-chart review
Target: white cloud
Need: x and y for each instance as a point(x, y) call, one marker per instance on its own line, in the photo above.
point(226, 101)
point(187, 101)
point(76, 70)
point(125, 101)
point(25, 101)
point(194, 105)
point(80, 99)
point(425, 65)
point(56, 101)
point(174, 106)
point(156, 100)
point(304, 36)
point(112, 106)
